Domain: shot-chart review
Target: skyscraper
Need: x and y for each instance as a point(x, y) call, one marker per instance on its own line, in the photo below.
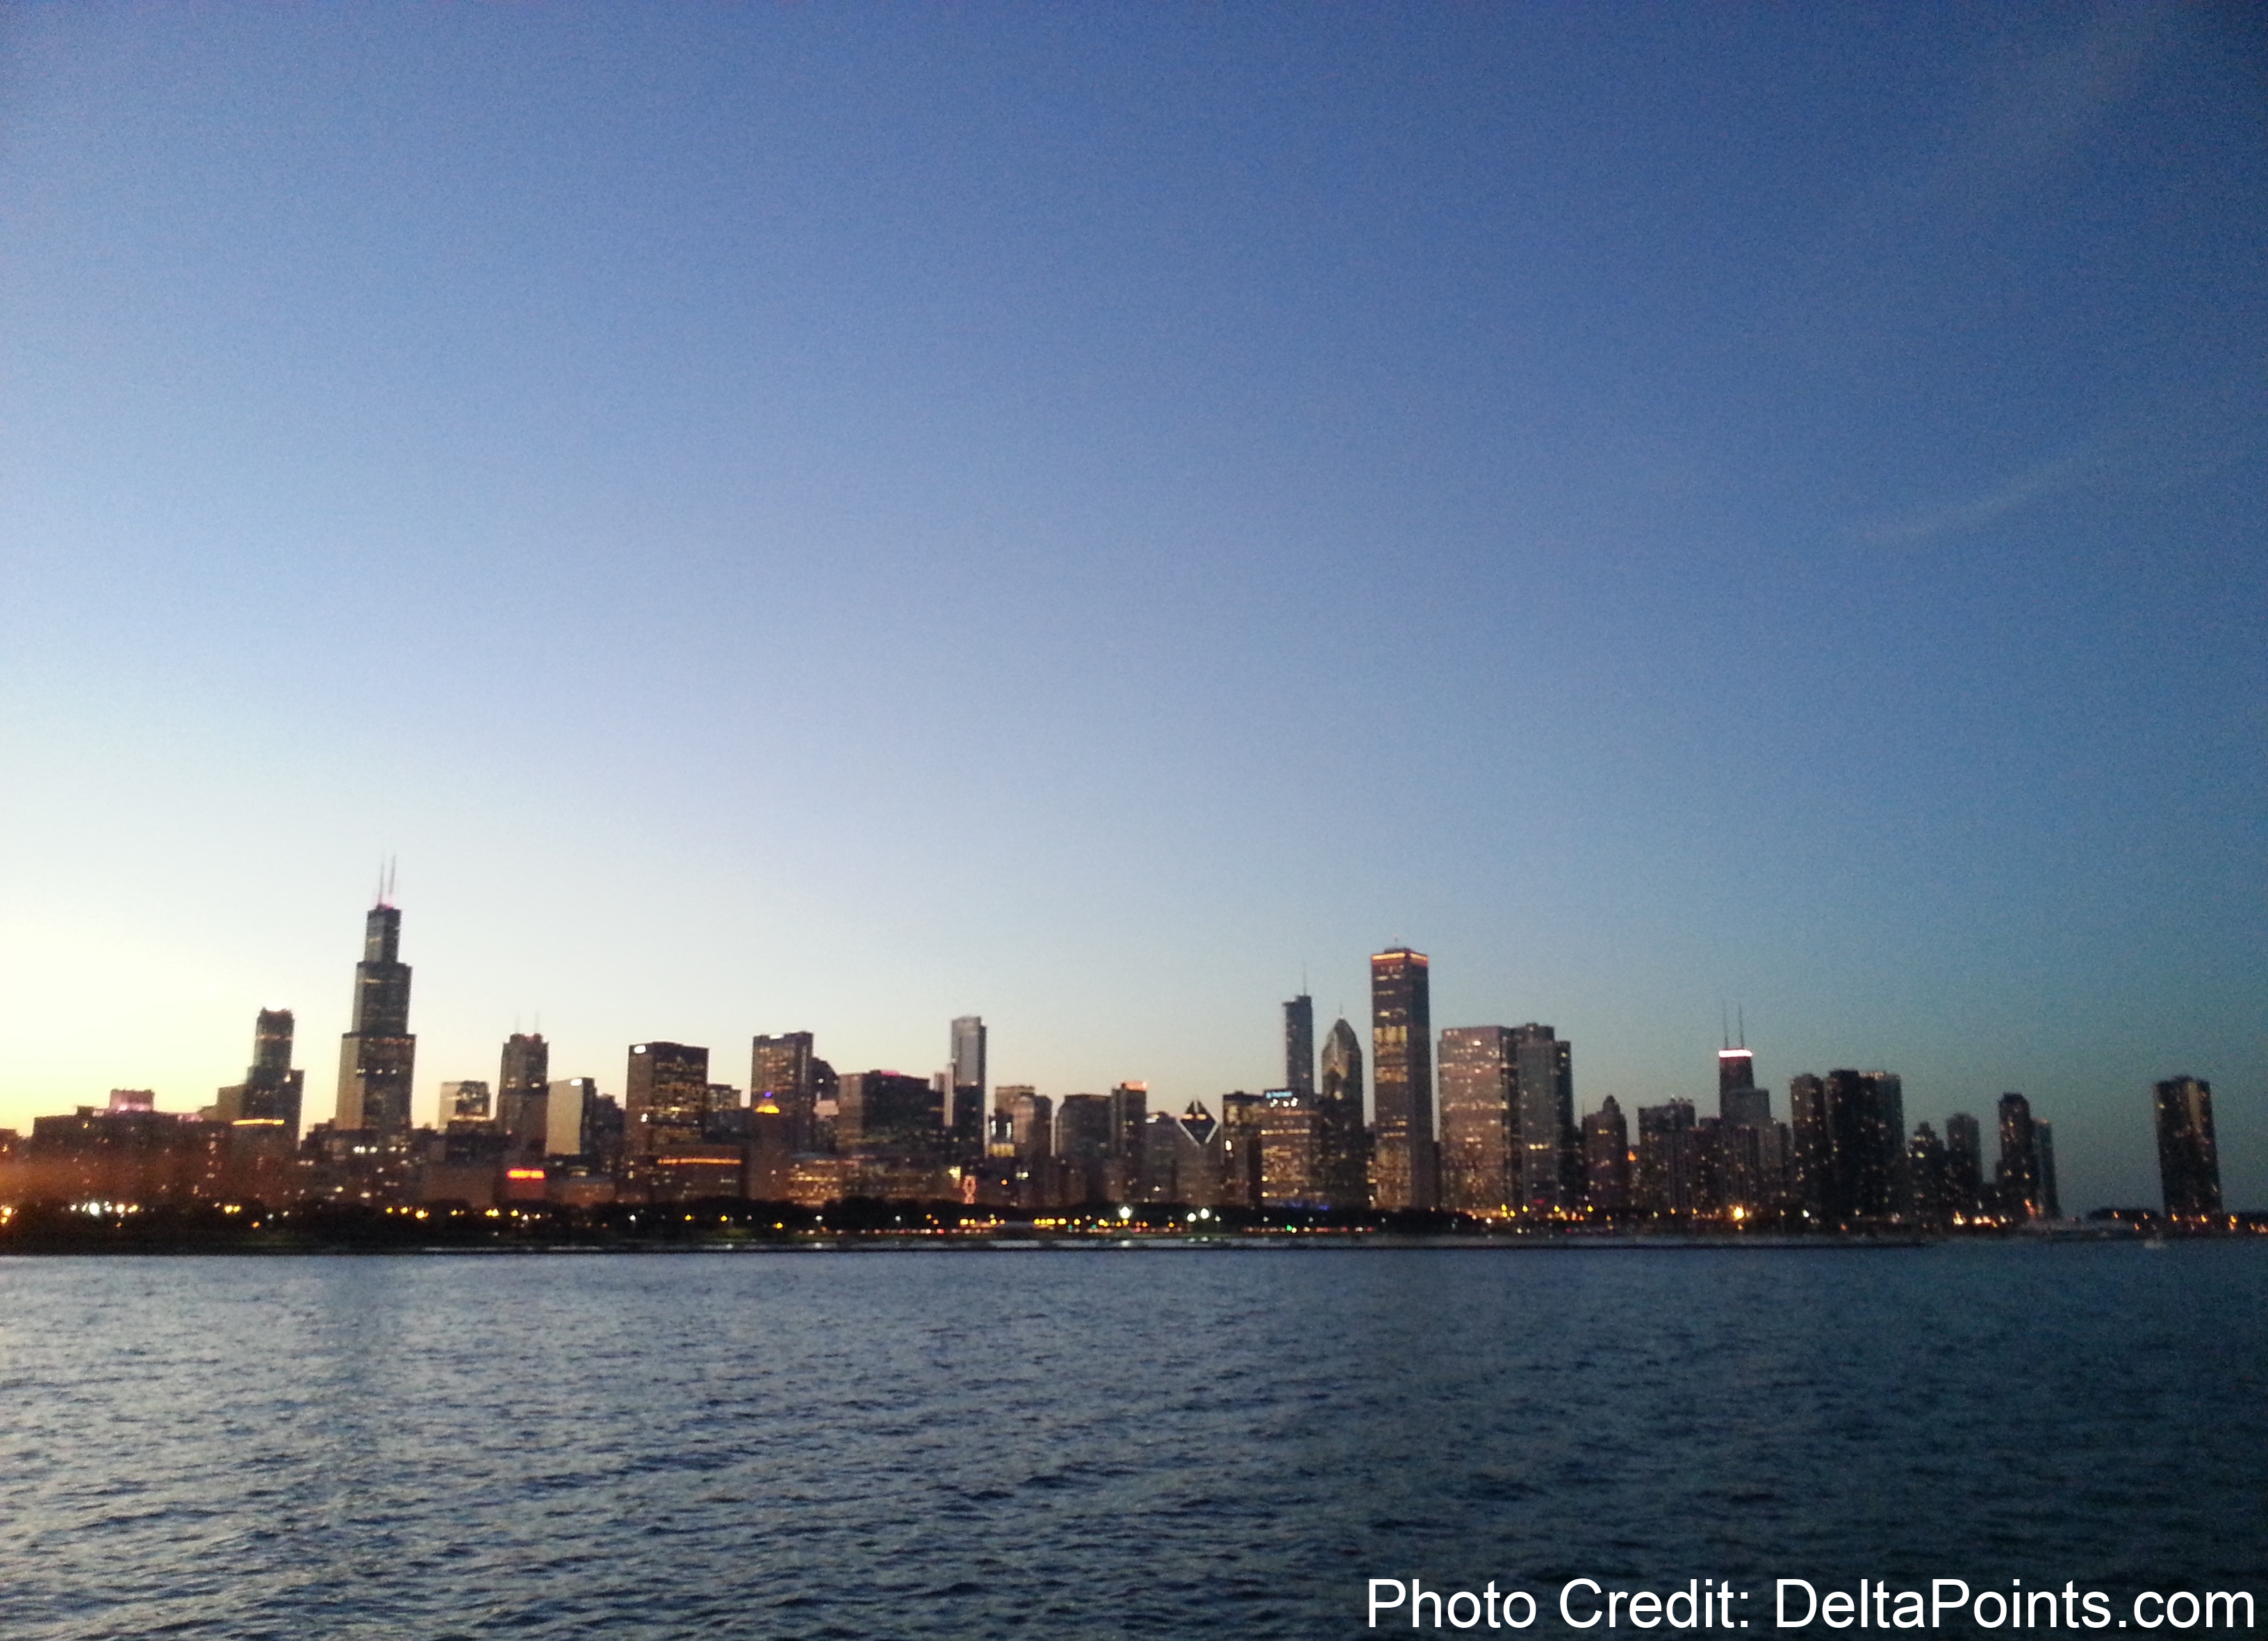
point(1299, 1044)
point(377, 1055)
point(1550, 1162)
point(1342, 1143)
point(567, 1112)
point(2017, 1178)
point(271, 1090)
point(966, 1114)
point(665, 1098)
point(1480, 1155)
point(523, 1088)
point(1813, 1163)
point(1965, 1165)
point(2189, 1161)
point(1740, 1102)
point(1606, 1159)
point(1401, 1078)
point(782, 1067)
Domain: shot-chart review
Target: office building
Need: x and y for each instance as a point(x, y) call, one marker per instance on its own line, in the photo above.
point(1663, 1185)
point(567, 1104)
point(271, 1090)
point(665, 1099)
point(1300, 1045)
point(1740, 1102)
point(1342, 1140)
point(2189, 1160)
point(2017, 1180)
point(523, 1088)
point(1550, 1154)
point(1929, 1180)
point(1130, 1113)
point(1606, 1160)
point(1291, 1172)
point(467, 1102)
point(1086, 1144)
point(378, 1056)
point(782, 1070)
point(1401, 1079)
point(1181, 1157)
point(1811, 1161)
point(1480, 1116)
point(966, 1107)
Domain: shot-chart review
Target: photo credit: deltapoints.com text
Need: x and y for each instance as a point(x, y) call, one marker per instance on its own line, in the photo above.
point(1586, 1604)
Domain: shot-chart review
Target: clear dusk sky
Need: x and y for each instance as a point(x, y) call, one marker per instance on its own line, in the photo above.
point(835, 517)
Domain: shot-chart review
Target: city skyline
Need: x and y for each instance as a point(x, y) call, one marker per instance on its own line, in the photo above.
point(804, 518)
point(1479, 1120)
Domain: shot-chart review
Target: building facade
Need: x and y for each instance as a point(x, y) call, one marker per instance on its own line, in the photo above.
point(1404, 1156)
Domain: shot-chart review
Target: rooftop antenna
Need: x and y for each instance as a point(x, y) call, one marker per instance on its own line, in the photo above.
point(1725, 1023)
point(1741, 1014)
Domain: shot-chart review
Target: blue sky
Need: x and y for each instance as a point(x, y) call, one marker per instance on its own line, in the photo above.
point(840, 517)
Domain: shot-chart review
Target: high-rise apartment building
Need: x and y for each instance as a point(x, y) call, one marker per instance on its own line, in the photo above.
point(2189, 1160)
point(2043, 1143)
point(1550, 1155)
point(1606, 1159)
point(377, 1055)
point(1664, 1185)
point(966, 1112)
point(1813, 1162)
point(523, 1090)
point(1401, 1078)
point(2017, 1177)
point(782, 1069)
point(1342, 1142)
point(1965, 1165)
point(1086, 1139)
point(1300, 1045)
point(1480, 1122)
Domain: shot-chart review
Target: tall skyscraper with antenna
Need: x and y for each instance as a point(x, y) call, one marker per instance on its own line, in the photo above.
point(377, 1056)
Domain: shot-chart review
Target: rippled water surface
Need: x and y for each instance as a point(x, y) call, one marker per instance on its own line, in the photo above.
point(1093, 1444)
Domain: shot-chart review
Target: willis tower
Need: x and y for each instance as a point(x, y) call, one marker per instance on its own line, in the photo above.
point(377, 1056)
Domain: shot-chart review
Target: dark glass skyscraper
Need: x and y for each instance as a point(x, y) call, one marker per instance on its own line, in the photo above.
point(271, 1090)
point(1606, 1159)
point(1299, 1044)
point(524, 1093)
point(1965, 1165)
point(1401, 1078)
point(665, 1099)
point(2189, 1161)
point(377, 1056)
point(1342, 1143)
point(1740, 1102)
point(1550, 1158)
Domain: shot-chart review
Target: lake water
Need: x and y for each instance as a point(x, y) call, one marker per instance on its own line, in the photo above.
point(1095, 1444)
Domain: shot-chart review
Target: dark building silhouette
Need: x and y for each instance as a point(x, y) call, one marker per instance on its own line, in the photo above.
point(1813, 1162)
point(1300, 1045)
point(2017, 1180)
point(1085, 1142)
point(1401, 1078)
point(1480, 1156)
point(2044, 1142)
point(524, 1093)
point(2189, 1161)
point(1865, 1120)
point(1181, 1157)
point(1129, 1112)
point(377, 1056)
point(965, 1111)
point(271, 1090)
point(1740, 1102)
point(1342, 1142)
point(1965, 1165)
point(1664, 1184)
point(1606, 1159)
point(1242, 1117)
